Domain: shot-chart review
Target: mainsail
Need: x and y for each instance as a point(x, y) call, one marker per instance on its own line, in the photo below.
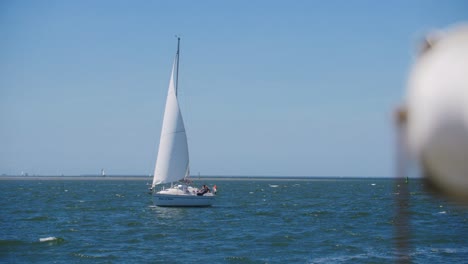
point(172, 163)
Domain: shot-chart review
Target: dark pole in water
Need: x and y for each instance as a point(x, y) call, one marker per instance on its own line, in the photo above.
point(402, 217)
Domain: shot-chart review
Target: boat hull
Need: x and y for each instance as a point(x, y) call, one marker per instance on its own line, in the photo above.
point(174, 200)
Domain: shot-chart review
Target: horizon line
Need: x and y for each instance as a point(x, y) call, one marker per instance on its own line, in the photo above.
point(191, 176)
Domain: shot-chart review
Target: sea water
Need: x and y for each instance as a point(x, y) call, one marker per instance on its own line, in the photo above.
point(252, 221)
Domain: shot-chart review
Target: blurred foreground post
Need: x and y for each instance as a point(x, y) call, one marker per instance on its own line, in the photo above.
point(402, 219)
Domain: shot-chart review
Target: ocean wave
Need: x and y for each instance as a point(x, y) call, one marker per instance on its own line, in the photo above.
point(7, 242)
point(51, 240)
point(98, 256)
point(37, 218)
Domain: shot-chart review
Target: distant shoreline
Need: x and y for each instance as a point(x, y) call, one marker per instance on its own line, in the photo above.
point(195, 178)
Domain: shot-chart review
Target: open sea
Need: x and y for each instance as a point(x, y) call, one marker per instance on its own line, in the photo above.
point(252, 221)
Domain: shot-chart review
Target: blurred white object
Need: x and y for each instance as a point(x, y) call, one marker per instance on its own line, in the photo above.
point(437, 111)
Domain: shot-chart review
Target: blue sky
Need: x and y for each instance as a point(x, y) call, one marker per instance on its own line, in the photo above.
point(299, 88)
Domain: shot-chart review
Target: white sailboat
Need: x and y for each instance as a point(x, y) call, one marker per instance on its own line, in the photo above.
point(172, 164)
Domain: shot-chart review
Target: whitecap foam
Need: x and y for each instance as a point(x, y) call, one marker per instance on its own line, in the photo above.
point(45, 239)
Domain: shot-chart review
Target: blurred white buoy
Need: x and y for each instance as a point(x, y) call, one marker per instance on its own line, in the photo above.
point(437, 111)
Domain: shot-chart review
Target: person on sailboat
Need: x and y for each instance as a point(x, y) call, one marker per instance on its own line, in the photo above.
point(203, 190)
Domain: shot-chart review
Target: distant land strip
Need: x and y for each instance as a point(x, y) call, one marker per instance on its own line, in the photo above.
point(193, 178)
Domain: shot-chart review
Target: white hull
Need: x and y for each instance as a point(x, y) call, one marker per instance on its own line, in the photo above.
point(182, 196)
point(182, 200)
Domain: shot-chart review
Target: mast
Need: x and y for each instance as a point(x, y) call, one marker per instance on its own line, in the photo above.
point(177, 69)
